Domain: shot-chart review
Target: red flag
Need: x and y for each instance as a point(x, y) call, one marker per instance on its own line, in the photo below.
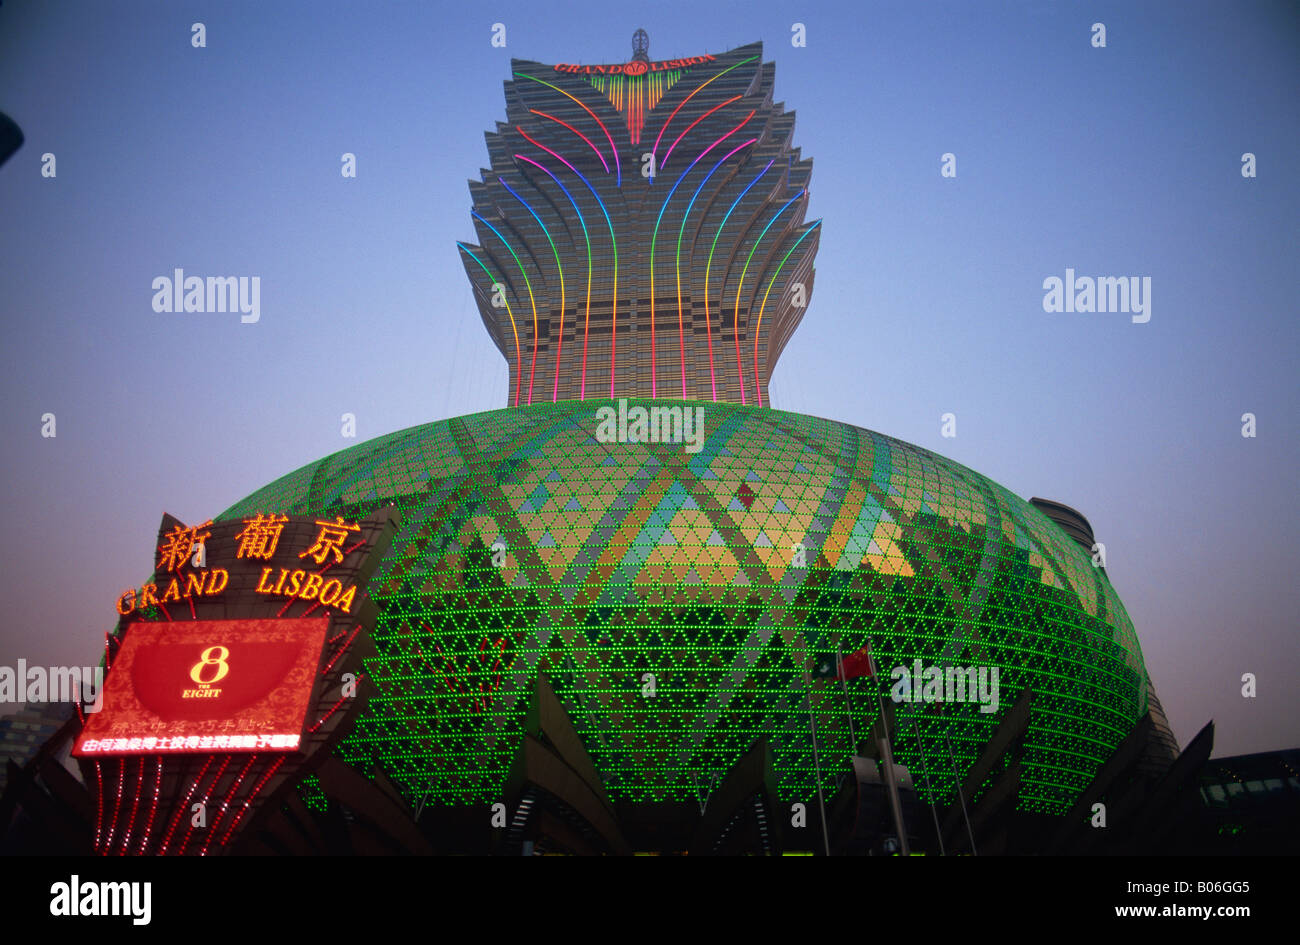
point(857, 664)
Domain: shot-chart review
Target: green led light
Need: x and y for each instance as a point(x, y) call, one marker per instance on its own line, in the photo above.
point(626, 559)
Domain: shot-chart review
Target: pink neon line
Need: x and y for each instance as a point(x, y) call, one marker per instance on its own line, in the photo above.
point(681, 331)
point(654, 387)
point(587, 327)
point(576, 132)
point(617, 164)
point(559, 351)
point(664, 163)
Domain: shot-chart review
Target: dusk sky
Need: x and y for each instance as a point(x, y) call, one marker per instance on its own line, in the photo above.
point(1117, 161)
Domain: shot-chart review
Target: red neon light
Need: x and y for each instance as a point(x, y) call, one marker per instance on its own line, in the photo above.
point(204, 801)
point(225, 804)
point(153, 807)
point(249, 799)
point(333, 708)
point(664, 163)
point(618, 167)
point(117, 807)
point(184, 807)
point(576, 132)
point(342, 650)
point(135, 806)
point(99, 803)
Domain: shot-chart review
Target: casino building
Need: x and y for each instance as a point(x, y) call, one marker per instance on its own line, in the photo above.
point(569, 640)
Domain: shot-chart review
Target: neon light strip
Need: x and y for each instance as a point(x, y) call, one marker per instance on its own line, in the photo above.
point(206, 795)
point(99, 802)
point(653, 239)
point(563, 301)
point(664, 163)
point(225, 805)
point(184, 806)
point(343, 649)
point(740, 288)
point(531, 299)
point(153, 809)
point(614, 242)
point(251, 795)
point(576, 132)
point(135, 806)
point(334, 708)
point(117, 808)
point(519, 366)
point(757, 388)
point(617, 165)
point(555, 394)
point(655, 149)
point(680, 331)
point(709, 268)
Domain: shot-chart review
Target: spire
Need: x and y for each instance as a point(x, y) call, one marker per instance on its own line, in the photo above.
point(640, 46)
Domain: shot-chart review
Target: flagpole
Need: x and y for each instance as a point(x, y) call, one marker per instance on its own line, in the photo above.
point(957, 780)
point(821, 803)
point(887, 755)
point(925, 772)
point(844, 681)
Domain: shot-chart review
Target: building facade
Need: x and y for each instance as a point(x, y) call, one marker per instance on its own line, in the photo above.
point(616, 636)
point(640, 231)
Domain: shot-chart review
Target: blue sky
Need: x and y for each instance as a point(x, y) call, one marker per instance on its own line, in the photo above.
point(1122, 161)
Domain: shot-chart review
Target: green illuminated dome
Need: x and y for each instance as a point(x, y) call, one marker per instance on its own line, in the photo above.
point(614, 560)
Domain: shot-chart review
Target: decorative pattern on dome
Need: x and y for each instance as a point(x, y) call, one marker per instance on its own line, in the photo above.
point(529, 547)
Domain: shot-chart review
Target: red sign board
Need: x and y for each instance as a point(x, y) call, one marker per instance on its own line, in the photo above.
point(207, 686)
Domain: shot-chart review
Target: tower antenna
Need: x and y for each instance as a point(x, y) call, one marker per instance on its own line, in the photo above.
point(640, 46)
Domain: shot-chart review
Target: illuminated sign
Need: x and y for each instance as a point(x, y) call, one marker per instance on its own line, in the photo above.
point(259, 539)
point(207, 685)
point(635, 67)
point(306, 585)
